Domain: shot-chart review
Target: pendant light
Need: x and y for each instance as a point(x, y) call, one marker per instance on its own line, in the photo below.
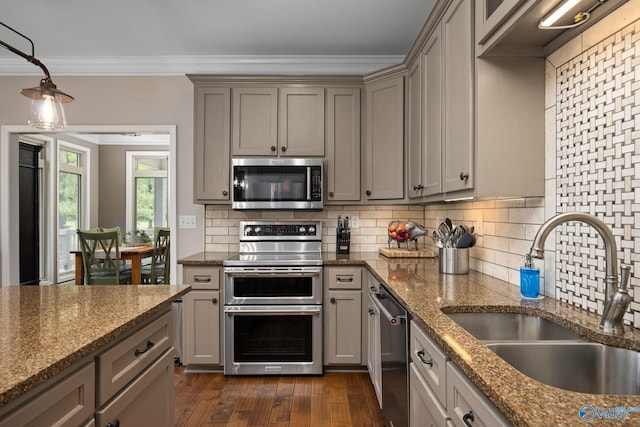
point(46, 110)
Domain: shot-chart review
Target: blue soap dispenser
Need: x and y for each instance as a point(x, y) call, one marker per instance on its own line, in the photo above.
point(529, 279)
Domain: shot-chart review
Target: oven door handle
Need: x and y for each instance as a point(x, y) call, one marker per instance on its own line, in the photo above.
point(268, 310)
point(393, 320)
point(244, 272)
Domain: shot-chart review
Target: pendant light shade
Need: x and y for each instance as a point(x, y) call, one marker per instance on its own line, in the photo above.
point(46, 110)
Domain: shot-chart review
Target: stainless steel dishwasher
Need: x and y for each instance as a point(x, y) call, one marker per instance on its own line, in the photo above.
point(393, 356)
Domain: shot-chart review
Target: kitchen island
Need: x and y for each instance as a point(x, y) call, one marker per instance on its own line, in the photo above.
point(49, 332)
point(427, 295)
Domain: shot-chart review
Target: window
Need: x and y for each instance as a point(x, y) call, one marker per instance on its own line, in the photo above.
point(70, 181)
point(147, 191)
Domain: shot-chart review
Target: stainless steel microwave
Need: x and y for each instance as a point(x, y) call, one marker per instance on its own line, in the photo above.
point(276, 183)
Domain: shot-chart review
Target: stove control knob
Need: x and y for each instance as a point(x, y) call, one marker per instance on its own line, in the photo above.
point(256, 231)
point(312, 230)
point(248, 231)
point(302, 230)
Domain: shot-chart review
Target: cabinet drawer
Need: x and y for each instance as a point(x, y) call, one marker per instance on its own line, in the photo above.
point(67, 403)
point(424, 408)
point(466, 402)
point(121, 363)
point(148, 401)
point(344, 278)
point(202, 277)
point(430, 362)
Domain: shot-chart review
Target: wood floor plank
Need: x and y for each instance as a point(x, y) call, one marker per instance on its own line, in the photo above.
point(330, 400)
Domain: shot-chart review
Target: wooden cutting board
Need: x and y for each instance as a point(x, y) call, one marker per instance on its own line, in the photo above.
point(403, 253)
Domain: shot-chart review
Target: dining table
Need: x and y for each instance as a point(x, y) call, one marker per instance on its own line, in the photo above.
point(135, 254)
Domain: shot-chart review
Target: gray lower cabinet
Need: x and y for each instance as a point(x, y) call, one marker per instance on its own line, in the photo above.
point(440, 394)
point(201, 316)
point(343, 316)
point(128, 383)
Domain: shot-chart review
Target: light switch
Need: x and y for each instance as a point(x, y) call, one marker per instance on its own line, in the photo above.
point(187, 221)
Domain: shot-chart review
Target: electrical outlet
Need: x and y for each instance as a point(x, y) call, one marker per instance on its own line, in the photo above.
point(354, 221)
point(187, 221)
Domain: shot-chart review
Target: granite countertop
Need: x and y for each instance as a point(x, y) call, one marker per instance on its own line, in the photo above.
point(45, 329)
point(427, 294)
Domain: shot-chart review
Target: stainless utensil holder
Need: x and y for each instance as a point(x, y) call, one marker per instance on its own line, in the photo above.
point(454, 260)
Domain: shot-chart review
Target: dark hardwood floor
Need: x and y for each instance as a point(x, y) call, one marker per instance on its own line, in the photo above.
point(333, 399)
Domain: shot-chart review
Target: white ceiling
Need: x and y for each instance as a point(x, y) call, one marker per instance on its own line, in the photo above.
point(195, 36)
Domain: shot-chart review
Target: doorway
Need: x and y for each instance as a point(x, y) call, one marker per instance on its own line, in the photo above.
point(30, 214)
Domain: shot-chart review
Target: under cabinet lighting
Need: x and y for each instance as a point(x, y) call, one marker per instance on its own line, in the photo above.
point(547, 23)
point(46, 110)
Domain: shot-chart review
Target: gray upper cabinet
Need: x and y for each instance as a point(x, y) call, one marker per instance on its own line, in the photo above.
point(415, 151)
point(343, 145)
point(270, 121)
point(384, 142)
point(301, 126)
point(211, 150)
point(458, 134)
point(255, 121)
point(431, 62)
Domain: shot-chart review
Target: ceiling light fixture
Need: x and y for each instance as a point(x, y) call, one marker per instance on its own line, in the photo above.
point(46, 110)
point(547, 23)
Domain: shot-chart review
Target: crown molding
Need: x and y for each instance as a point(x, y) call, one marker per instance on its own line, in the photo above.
point(212, 64)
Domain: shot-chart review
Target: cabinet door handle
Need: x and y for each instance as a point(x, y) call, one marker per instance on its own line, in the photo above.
point(330, 193)
point(418, 187)
point(283, 148)
point(333, 300)
point(371, 312)
point(468, 419)
point(368, 193)
point(214, 300)
point(421, 354)
point(202, 279)
point(114, 423)
point(273, 148)
point(225, 193)
point(139, 352)
point(464, 176)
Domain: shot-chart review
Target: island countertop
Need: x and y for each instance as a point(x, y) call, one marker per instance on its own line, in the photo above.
point(428, 295)
point(45, 329)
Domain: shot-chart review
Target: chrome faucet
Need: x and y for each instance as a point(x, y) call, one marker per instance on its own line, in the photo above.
point(615, 305)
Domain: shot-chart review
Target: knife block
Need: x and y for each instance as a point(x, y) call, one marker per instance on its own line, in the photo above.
point(343, 243)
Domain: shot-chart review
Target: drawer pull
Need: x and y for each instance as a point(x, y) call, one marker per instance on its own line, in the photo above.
point(139, 352)
point(333, 300)
point(202, 279)
point(371, 312)
point(344, 279)
point(468, 419)
point(114, 423)
point(214, 300)
point(425, 361)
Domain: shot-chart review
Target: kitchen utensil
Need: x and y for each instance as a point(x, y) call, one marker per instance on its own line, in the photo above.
point(466, 240)
point(449, 223)
point(436, 239)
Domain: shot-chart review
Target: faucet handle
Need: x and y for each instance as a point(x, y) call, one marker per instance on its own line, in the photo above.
point(625, 273)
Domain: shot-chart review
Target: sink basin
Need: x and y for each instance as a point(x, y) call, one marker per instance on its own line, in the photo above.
point(583, 367)
point(488, 326)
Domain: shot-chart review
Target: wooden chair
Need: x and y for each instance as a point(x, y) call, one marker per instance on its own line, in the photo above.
point(158, 270)
point(101, 258)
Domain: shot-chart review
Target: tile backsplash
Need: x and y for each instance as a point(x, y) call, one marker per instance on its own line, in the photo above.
point(221, 224)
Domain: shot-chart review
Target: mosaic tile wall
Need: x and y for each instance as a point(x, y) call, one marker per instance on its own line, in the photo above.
point(598, 165)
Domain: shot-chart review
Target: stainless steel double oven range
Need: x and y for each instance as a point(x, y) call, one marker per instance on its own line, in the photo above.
point(273, 300)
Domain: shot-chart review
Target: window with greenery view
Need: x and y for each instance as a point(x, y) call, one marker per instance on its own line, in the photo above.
point(69, 206)
point(151, 192)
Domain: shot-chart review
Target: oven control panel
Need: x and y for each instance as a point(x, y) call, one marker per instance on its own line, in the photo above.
point(280, 230)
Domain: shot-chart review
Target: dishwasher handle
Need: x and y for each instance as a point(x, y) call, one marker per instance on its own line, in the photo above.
point(393, 320)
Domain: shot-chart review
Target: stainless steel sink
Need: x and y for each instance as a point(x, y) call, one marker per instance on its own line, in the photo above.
point(488, 326)
point(582, 367)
